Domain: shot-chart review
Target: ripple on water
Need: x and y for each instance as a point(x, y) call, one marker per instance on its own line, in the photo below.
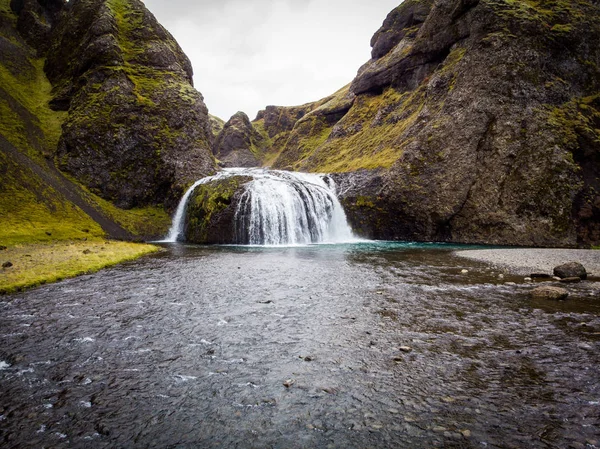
point(300, 347)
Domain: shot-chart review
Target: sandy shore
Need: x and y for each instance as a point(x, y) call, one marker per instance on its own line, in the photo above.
point(524, 261)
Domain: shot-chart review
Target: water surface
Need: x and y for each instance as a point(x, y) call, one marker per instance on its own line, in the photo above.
point(192, 348)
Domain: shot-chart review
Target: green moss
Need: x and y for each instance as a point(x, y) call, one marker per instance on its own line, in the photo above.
point(375, 132)
point(207, 201)
point(37, 264)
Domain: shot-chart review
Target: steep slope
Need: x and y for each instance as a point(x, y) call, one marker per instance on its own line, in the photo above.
point(239, 144)
point(480, 119)
point(137, 132)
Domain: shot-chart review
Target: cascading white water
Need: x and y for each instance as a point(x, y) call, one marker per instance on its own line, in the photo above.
point(280, 208)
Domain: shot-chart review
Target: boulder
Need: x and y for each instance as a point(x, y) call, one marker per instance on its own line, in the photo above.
point(549, 292)
point(570, 270)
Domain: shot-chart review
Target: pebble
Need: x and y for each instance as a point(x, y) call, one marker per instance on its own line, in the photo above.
point(288, 383)
point(466, 433)
point(7, 264)
point(405, 348)
point(500, 276)
point(527, 279)
point(510, 283)
point(464, 271)
point(571, 280)
point(439, 429)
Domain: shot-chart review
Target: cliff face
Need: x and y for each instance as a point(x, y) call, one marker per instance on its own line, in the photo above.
point(103, 91)
point(137, 131)
point(239, 144)
point(479, 121)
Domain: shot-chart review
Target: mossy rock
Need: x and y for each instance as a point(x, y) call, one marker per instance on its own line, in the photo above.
point(210, 213)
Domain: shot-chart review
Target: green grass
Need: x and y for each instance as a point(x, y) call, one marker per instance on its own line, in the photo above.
point(37, 264)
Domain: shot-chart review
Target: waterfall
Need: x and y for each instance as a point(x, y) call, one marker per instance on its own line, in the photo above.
point(280, 208)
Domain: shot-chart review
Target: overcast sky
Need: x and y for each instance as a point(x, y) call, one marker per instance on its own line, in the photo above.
point(250, 54)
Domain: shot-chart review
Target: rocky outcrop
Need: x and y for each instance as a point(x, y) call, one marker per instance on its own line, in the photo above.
point(137, 132)
point(35, 20)
point(210, 213)
point(479, 120)
point(239, 144)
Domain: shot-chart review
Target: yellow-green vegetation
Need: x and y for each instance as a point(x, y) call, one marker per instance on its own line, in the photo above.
point(27, 120)
point(577, 117)
point(377, 142)
point(37, 264)
point(206, 202)
point(556, 15)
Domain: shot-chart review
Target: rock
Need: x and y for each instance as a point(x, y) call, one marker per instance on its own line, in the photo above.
point(454, 91)
point(548, 292)
point(210, 214)
point(288, 383)
point(137, 132)
point(540, 276)
point(571, 269)
point(239, 144)
point(527, 279)
point(2, 247)
point(571, 280)
point(464, 271)
point(405, 348)
point(7, 264)
point(86, 251)
point(466, 433)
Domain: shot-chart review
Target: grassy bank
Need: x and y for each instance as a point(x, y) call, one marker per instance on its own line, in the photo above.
point(41, 263)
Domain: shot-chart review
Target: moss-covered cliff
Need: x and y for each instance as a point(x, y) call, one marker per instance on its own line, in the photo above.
point(482, 118)
point(140, 149)
point(136, 132)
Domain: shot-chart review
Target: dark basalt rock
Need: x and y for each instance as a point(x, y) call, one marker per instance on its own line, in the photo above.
point(35, 20)
point(210, 213)
point(239, 144)
point(484, 119)
point(137, 132)
point(570, 270)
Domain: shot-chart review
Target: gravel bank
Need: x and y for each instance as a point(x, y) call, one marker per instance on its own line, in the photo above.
point(524, 261)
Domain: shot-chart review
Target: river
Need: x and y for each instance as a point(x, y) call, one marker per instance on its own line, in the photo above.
point(320, 346)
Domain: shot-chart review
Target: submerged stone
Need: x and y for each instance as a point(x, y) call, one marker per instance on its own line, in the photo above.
point(549, 292)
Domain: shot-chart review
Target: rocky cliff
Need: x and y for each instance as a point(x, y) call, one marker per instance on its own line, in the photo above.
point(101, 90)
point(137, 131)
point(239, 144)
point(475, 121)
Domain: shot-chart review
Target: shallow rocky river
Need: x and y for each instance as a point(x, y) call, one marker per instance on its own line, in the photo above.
point(378, 345)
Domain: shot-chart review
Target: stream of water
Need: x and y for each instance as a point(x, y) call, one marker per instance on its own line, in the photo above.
point(321, 346)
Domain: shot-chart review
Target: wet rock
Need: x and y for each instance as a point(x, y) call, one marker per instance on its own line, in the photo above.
point(571, 269)
point(548, 292)
point(572, 280)
point(540, 276)
point(7, 264)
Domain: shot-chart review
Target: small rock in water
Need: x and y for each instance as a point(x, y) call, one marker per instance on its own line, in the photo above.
point(307, 358)
point(556, 278)
point(510, 283)
point(569, 270)
point(466, 433)
point(7, 265)
point(500, 276)
point(572, 280)
point(288, 383)
point(548, 292)
point(527, 279)
point(540, 276)
point(464, 271)
point(405, 348)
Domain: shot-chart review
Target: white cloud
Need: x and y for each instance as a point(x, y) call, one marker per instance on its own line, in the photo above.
point(247, 55)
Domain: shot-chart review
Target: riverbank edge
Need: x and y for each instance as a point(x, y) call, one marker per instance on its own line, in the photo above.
point(524, 261)
point(36, 264)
